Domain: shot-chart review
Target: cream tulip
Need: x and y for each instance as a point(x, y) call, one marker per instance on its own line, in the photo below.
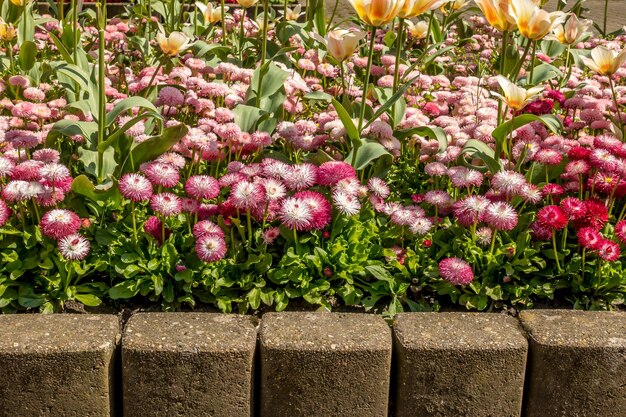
point(210, 13)
point(514, 96)
point(605, 61)
point(418, 30)
point(292, 15)
point(571, 32)
point(377, 12)
point(533, 22)
point(414, 8)
point(340, 43)
point(458, 4)
point(247, 3)
point(497, 13)
point(174, 44)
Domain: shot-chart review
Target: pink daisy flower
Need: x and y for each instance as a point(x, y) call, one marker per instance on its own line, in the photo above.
point(206, 227)
point(202, 187)
point(211, 248)
point(456, 271)
point(470, 210)
point(501, 216)
point(135, 187)
point(270, 235)
point(59, 223)
point(509, 183)
point(74, 247)
point(166, 204)
point(301, 176)
point(153, 227)
point(378, 187)
point(295, 214)
point(162, 174)
point(247, 195)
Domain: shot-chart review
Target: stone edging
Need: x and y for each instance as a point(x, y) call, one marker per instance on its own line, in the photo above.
point(549, 363)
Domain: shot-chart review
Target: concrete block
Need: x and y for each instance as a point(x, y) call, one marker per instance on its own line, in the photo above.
point(188, 364)
point(577, 363)
point(459, 365)
point(57, 365)
point(324, 364)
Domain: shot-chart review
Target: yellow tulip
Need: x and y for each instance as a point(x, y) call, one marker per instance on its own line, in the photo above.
point(533, 22)
point(571, 31)
point(605, 61)
point(174, 44)
point(20, 3)
point(7, 31)
point(418, 30)
point(340, 43)
point(414, 8)
point(516, 97)
point(497, 13)
point(247, 3)
point(211, 14)
point(377, 12)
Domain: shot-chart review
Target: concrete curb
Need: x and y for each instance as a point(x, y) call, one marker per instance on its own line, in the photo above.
point(315, 364)
point(57, 365)
point(577, 363)
point(188, 364)
point(451, 364)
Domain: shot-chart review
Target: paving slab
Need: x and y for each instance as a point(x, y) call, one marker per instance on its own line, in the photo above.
point(188, 364)
point(577, 363)
point(57, 365)
point(459, 364)
point(324, 364)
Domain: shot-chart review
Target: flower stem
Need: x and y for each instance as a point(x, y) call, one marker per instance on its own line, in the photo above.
point(493, 241)
point(249, 221)
point(532, 63)
point(606, 9)
point(241, 35)
point(368, 69)
point(556, 254)
point(520, 64)
point(263, 51)
point(134, 222)
point(223, 23)
point(620, 122)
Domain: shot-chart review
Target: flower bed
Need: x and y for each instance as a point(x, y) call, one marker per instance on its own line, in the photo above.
point(243, 171)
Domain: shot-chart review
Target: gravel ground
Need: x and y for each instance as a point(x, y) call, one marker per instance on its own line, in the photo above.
point(616, 11)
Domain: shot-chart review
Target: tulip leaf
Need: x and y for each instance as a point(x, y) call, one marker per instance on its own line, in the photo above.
point(28, 55)
point(366, 153)
point(153, 147)
point(246, 117)
point(476, 149)
point(432, 132)
point(128, 104)
point(83, 186)
point(348, 124)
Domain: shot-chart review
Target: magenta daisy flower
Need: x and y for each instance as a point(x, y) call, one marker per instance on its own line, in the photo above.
point(166, 204)
point(456, 271)
point(321, 210)
point(552, 217)
point(620, 229)
point(74, 247)
point(589, 238)
point(330, 173)
point(202, 187)
point(5, 213)
point(501, 216)
point(573, 208)
point(135, 187)
point(211, 248)
point(154, 227)
point(608, 250)
point(59, 223)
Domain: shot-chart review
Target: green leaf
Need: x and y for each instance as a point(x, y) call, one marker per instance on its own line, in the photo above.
point(67, 57)
point(368, 152)
point(382, 109)
point(87, 130)
point(128, 104)
point(379, 272)
point(88, 299)
point(273, 80)
point(552, 122)
point(477, 149)
point(432, 132)
point(153, 147)
point(318, 95)
point(246, 117)
point(254, 298)
point(348, 124)
point(27, 297)
point(544, 72)
point(28, 55)
point(122, 290)
point(82, 186)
